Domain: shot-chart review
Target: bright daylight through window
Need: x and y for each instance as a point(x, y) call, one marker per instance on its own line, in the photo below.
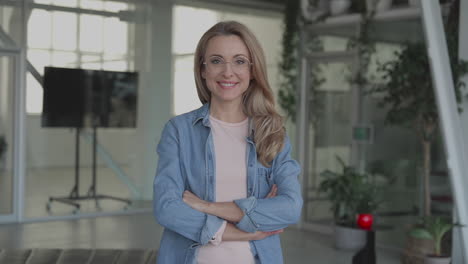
point(75, 40)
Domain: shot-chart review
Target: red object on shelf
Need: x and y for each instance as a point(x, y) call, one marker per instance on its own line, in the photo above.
point(364, 221)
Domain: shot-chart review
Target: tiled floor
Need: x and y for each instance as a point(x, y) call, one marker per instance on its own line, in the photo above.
point(140, 231)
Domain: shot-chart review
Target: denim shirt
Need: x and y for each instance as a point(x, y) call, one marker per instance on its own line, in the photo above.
point(186, 162)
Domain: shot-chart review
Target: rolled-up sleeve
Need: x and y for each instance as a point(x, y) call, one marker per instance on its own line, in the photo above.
point(169, 208)
point(269, 214)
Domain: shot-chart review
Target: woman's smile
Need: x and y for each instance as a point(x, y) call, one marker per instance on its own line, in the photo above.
point(227, 85)
point(227, 72)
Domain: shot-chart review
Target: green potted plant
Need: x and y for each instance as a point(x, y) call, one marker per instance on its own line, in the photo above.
point(408, 94)
point(351, 193)
point(434, 229)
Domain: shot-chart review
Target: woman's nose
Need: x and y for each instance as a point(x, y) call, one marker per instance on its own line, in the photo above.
point(228, 70)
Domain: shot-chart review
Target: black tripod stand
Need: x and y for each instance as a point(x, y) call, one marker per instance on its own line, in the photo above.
point(74, 195)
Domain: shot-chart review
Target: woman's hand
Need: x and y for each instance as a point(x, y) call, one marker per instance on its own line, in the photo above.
point(196, 203)
point(232, 233)
point(259, 235)
point(273, 191)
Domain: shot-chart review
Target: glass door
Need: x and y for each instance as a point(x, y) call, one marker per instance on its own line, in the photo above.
point(332, 108)
point(9, 86)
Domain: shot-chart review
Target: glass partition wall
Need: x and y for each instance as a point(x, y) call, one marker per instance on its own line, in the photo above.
point(62, 170)
point(346, 121)
point(66, 173)
point(11, 40)
point(110, 35)
point(8, 182)
point(330, 118)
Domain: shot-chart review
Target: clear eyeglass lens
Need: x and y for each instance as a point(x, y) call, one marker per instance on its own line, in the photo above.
point(219, 64)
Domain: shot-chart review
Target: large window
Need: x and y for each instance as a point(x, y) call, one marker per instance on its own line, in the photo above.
point(88, 34)
point(186, 34)
point(93, 37)
point(185, 38)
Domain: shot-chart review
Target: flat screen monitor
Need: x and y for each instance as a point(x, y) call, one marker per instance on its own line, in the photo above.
point(88, 98)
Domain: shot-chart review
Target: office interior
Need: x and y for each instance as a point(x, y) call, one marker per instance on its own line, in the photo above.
point(157, 39)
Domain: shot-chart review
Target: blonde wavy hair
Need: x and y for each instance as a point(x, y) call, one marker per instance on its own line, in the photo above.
point(258, 100)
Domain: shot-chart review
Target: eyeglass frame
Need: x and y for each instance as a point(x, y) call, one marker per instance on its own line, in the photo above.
point(226, 62)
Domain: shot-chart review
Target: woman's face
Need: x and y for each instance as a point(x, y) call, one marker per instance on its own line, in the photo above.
point(227, 69)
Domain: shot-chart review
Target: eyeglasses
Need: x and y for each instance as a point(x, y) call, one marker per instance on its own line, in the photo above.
point(218, 64)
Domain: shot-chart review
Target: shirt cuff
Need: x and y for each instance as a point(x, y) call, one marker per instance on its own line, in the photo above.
point(212, 224)
point(218, 237)
point(247, 205)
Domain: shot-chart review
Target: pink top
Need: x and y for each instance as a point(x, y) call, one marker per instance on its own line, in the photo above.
point(230, 148)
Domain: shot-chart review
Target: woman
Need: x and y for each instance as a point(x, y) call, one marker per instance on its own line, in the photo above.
point(226, 185)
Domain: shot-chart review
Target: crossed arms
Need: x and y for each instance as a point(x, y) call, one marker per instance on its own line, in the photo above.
point(248, 219)
point(230, 212)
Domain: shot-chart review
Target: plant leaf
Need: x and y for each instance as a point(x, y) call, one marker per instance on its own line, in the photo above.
point(421, 233)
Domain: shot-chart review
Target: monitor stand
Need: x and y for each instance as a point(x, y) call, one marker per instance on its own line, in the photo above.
point(74, 196)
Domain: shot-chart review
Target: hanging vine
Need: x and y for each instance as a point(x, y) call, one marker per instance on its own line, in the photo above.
point(363, 44)
point(289, 59)
point(289, 64)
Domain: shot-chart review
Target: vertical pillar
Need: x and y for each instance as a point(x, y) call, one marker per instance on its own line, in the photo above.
point(155, 94)
point(451, 123)
point(458, 254)
point(302, 121)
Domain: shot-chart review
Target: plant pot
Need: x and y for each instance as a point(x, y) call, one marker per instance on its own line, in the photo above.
point(378, 5)
point(437, 260)
point(348, 238)
point(338, 7)
point(416, 249)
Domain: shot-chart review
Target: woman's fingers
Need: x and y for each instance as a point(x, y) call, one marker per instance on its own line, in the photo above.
point(273, 191)
point(276, 232)
point(187, 195)
point(259, 235)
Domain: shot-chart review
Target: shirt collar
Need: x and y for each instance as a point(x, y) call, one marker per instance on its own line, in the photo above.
point(203, 115)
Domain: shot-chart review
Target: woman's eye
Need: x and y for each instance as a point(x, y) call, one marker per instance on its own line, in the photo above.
point(216, 61)
point(240, 61)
